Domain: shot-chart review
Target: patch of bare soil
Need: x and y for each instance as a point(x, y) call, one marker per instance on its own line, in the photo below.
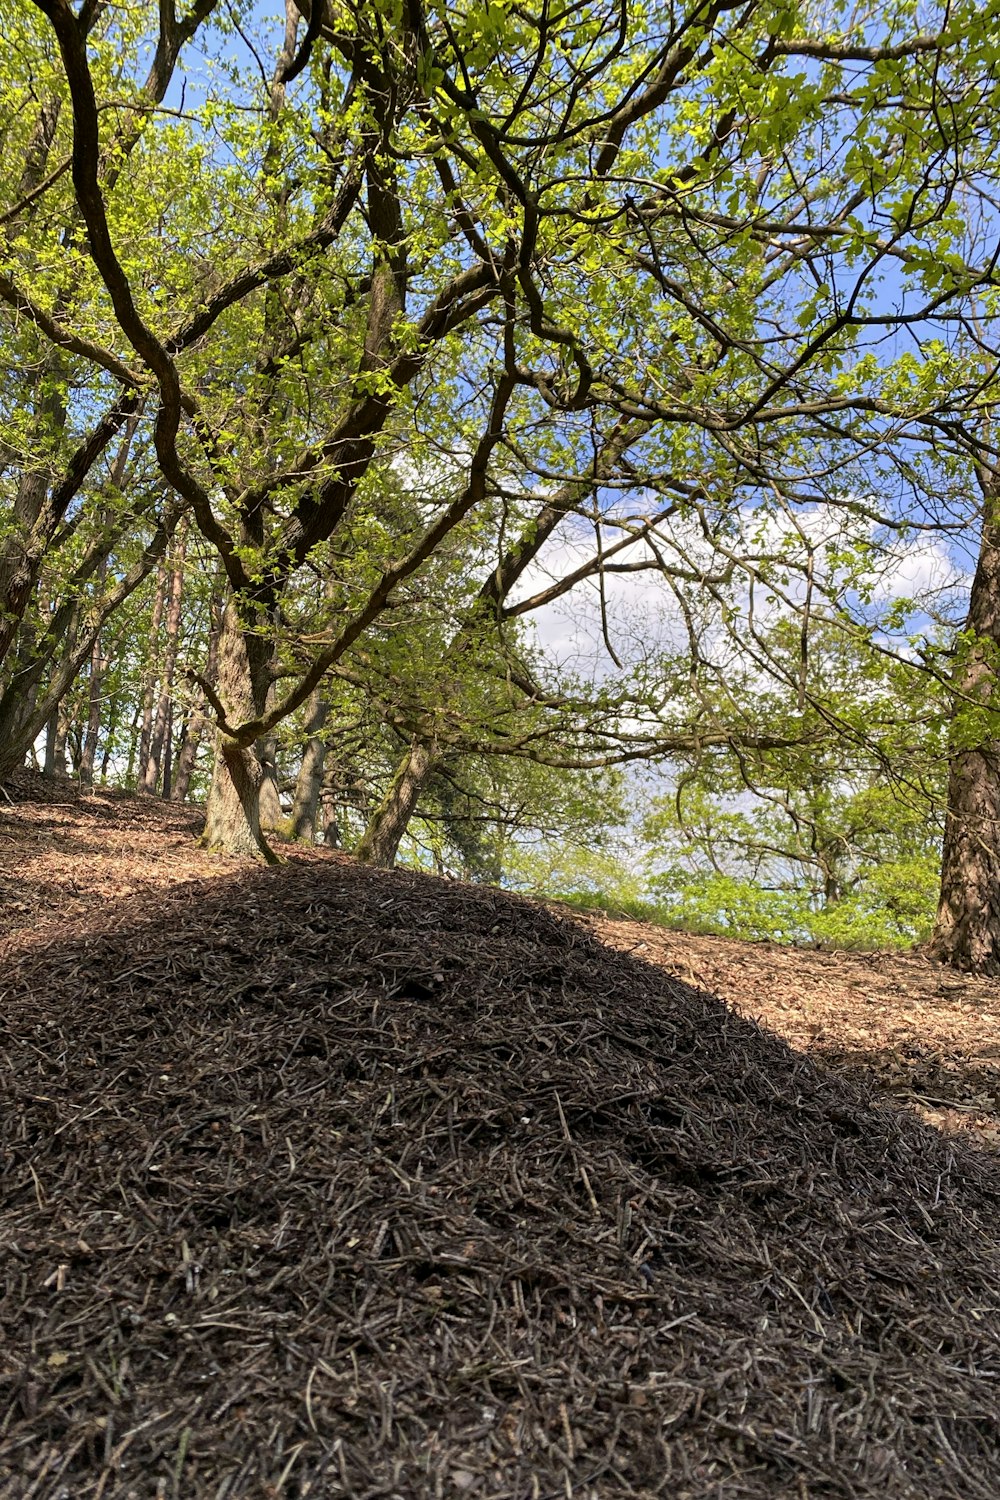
point(325, 1182)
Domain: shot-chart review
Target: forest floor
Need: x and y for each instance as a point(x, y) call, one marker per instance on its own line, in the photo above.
point(321, 1181)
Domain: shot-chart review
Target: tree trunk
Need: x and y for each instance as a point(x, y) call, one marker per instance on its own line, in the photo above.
point(967, 931)
point(62, 738)
point(149, 695)
point(133, 742)
point(51, 766)
point(168, 756)
point(164, 708)
point(18, 702)
point(197, 723)
point(21, 549)
point(380, 843)
point(62, 649)
point(272, 817)
point(244, 796)
point(74, 745)
point(232, 816)
point(328, 804)
point(96, 686)
point(186, 758)
point(21, 721)
point(94, 696)
point(305, 808)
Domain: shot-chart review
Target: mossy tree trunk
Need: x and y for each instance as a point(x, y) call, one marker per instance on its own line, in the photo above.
point(380, 843)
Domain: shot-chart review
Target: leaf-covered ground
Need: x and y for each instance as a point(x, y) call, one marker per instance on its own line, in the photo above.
point(319, 1181)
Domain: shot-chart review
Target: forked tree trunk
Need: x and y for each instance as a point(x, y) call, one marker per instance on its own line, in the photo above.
point(305, 808)
point(967, 931)
point(380, 843)
point(232, 816)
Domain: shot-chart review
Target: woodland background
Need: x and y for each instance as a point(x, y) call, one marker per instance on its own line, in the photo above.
point(550, 446)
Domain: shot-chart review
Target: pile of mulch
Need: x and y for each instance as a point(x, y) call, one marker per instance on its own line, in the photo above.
point(31, 786)
point(72, 865)
point(926, 1035)
point(324, 1182)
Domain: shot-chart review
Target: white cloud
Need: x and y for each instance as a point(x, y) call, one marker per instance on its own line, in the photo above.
point(642, 613)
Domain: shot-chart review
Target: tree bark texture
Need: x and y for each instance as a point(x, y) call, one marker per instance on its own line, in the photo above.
point(967, 931)
point(272, 817)
point(232, 816)
point(305, 808)
point(380, 843)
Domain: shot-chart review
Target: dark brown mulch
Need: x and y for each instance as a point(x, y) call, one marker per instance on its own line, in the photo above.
point(924, 1034)
point(30, 786)
point(323, 1182)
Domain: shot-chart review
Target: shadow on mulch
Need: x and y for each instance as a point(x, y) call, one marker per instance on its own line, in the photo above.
point(912, 1073)
point(325, 1182)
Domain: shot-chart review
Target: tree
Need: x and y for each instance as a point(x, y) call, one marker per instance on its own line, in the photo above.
point(967, 930)
point(832, 836)
point(484, 616)
point(502, 236)
point(62, 412)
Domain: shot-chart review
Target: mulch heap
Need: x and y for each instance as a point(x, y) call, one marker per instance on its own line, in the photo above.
point(325, 1182)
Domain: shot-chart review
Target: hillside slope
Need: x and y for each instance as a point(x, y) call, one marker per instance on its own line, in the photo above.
point(924, 1035)
point(321, 1181)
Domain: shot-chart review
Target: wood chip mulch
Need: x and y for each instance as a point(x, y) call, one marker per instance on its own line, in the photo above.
point(324, 1182)
point(926, 1036)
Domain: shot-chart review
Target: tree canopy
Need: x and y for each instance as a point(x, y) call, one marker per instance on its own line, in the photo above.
point(344, 341)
